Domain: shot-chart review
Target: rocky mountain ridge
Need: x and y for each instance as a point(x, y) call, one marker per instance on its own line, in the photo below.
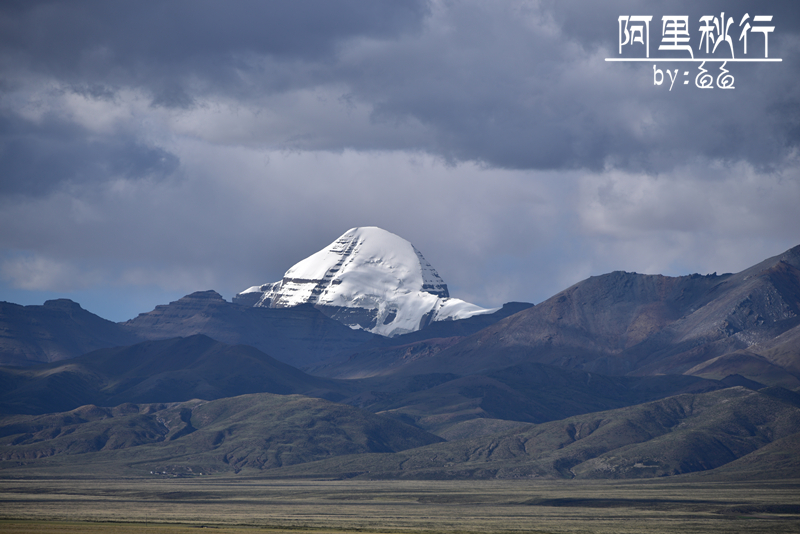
point(59, 329)
point(633, 324)
point(300, 335)
point(624, 375)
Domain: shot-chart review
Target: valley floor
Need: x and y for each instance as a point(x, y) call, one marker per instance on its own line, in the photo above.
point(234, 504)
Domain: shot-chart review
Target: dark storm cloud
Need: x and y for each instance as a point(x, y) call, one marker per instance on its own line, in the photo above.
point(758, 122)
point(531, 90)
point(511, 85)
point(37, 158)
point(160, 148)
point(156, 44)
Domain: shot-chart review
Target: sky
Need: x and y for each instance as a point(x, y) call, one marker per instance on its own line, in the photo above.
point(153, 149)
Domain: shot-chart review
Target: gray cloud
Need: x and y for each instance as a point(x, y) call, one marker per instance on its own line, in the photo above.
point(524, 92)
point(194, 145)
point(513, 85)
point(160, 45)
point(37, 158)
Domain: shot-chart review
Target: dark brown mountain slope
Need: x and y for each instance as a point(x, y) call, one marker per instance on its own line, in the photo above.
point(628, 323)
point(382, 355)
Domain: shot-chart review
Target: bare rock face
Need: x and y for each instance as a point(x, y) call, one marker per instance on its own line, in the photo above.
point(628, 323)
point(368, 279)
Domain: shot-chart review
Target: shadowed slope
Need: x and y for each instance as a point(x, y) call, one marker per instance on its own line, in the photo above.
point(58, 330)
point(299, 336)
point(532, 393)
point(383, 356)
point(157, 371)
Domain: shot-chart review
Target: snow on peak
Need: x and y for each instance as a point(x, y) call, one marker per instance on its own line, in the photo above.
point(368, 278)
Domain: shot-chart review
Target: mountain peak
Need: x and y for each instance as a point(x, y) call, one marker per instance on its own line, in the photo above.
point(204, 295)
point(368, 278)
point(62, 304)
point(379, 257)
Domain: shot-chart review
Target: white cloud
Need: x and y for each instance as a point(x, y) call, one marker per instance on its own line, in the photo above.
point(698, 218)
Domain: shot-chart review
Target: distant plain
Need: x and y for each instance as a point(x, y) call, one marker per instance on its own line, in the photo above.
point(236, 504)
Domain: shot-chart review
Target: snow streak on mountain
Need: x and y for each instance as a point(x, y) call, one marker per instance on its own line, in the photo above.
point(368, 278)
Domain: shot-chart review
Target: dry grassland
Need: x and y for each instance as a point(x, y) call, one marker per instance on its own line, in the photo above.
point(227, 504)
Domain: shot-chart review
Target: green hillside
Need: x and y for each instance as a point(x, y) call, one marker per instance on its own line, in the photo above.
point(677, 435)
point(259, 431)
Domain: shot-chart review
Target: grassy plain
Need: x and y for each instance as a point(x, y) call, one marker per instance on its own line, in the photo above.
point(236, 504)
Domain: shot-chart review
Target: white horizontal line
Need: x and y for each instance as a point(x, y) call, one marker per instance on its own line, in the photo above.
point(666, 59)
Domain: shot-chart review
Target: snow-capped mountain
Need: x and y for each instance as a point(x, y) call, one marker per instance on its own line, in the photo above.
point(368, 278)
